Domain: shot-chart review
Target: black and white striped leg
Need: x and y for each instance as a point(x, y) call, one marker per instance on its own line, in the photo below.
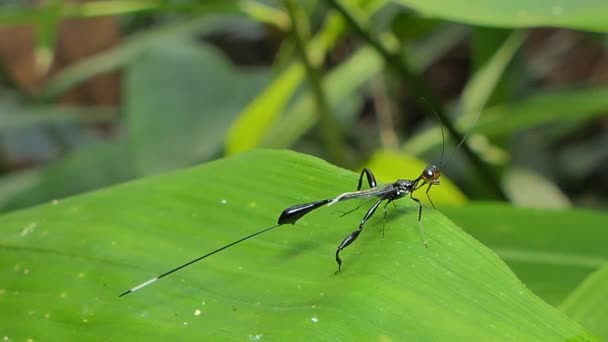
point(371, 180)
point(350, 238)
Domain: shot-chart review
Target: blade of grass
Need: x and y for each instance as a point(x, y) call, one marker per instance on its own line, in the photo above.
point(332, 136)
point(257, 119)
point(474, 97)
point(348, 78)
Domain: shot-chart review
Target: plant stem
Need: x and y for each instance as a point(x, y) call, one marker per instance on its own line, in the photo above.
point(332, 136)
point(395, 61)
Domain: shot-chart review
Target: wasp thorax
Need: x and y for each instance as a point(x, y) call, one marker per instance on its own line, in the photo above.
point(431, 174)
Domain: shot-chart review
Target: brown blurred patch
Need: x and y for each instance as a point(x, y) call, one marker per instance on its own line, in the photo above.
point(17, 56)
point(77, 39)
point(561, 57)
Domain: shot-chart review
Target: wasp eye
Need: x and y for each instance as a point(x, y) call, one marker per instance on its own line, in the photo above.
point(431, 174)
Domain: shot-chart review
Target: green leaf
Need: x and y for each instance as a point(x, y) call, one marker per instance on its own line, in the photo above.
point(253, 124)
point(63, 265)
point(257, 118)
point(15, 183)
point(34, 116)
point(177, 108)
point(177, 115)
point(129, 50)
point(566, 105)
point(346, 79)
point(484, 43)
point(478, 90)
point(24, 13)
point(587, 304)
point(475, 95)
point(585, 15)
point(551, 251)
point(254, 120)
point(46, 35)
point(266, 14)
point(86, 169)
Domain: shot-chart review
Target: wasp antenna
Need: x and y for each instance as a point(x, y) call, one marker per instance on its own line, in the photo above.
point(442, 131)
point(442, 138)
point(466, 134)
point(442, 165)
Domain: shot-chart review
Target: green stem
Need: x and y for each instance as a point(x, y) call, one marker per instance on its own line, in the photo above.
point(329, 129)
point(395, 61)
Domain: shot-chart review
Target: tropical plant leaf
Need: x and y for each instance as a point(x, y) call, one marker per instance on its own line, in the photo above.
point(254, 120)
point(475, 95)
point(131, 48)
point(568, 106)
point(64, 264)
point(348, 77)
point(177, 108)
point(551, 251)
point(587, 304)
point(88, 168)
point(587, 15)
point(258, 117)
point(28, 117)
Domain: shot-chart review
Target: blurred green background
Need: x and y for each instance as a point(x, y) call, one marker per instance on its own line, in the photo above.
point(95, 93)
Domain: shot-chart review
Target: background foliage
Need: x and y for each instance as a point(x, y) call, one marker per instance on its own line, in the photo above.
point(101, 92)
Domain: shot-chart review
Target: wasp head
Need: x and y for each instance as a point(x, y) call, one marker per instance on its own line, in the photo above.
point(431, 175)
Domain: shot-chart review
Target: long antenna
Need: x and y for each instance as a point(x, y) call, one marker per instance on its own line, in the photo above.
point(442, 139)
point(464, 138)
point(146, 283)
point(442, 132)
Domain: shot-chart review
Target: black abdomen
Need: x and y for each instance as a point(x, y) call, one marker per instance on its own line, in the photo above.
point(294, 213)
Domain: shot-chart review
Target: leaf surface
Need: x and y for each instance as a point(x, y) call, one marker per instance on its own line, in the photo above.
point(552, 251)
point(589, 15)
point(587, 304)
point(64, 264)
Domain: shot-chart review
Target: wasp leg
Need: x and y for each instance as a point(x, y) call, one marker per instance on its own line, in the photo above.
point(429, 196)
point(350, 238)
point(371, 180)
point(419, 219)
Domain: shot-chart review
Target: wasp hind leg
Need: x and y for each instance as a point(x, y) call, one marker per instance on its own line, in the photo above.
point(371, 180)
point(350, 238)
